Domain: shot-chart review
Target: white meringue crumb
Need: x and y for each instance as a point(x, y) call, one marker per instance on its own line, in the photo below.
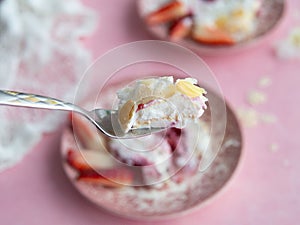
point(274, 147)
point(251, 118)
point(264, 82)
point(268, 118)
point(289, 48)
point(256, 97)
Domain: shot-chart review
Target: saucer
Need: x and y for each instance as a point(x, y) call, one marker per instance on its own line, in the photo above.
point(147, 202)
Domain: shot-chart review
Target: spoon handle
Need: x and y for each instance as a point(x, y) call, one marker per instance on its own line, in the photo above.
point(14, 98)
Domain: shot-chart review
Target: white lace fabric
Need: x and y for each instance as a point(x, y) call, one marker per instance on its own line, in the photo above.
point(41, 51)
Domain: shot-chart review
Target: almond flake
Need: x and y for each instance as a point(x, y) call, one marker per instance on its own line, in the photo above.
point(189, 89)
point(256, 97)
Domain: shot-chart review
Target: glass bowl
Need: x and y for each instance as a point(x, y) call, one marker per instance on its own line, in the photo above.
point(163, 198)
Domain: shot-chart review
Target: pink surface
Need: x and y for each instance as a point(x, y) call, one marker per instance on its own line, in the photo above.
point(266, 189)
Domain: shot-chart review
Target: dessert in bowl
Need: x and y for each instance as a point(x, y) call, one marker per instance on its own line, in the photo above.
point(211, 26)
point(156, 176)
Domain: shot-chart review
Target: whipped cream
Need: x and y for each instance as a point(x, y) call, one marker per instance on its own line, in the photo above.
point(160, 102)
point(234, 16)
point(174, 156)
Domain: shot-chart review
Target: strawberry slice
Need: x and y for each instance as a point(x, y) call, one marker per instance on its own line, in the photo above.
point(116, 177)
point(214, 36)
point(167, 13)
point(180, 28)
point(86, 133)
point(89, 159)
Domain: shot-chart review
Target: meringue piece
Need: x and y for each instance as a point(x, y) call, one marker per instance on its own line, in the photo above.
point(160, 102)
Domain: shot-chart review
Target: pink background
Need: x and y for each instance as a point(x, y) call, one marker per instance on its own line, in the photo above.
point(265, 191)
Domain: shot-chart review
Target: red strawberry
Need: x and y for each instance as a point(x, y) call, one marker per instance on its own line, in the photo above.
point(180, 28)
point(167, 13)
point(214, 36)
point(86, 133)
point(173, 136)
point(116, 177)
point(89, 159)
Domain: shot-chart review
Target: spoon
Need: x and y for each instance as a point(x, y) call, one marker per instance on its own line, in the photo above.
point(105, 120)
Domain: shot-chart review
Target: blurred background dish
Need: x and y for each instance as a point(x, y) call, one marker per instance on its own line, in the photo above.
point(211, 27)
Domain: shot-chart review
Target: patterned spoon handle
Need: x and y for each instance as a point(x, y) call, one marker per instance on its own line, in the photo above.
point(14, 98)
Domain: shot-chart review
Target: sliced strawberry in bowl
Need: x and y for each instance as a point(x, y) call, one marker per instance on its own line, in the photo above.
point(213, 36)
point(180, 28)
point(116, 177)
point(87, 135)
point(167, 13)
point(89, 159)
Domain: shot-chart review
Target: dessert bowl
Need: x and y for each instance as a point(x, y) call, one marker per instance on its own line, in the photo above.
point(137, 179)
point(162, 198)
point(267, 17)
